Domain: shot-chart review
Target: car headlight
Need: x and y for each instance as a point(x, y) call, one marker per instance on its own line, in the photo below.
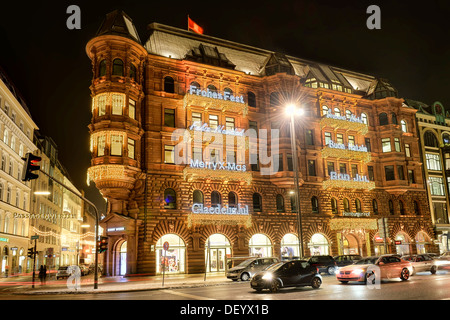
point(267, 276)
point(358, 271)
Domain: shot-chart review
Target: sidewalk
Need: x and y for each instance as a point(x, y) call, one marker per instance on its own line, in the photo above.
point(23, 285)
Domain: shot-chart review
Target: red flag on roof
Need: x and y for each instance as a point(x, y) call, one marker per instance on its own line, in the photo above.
point(194, 27)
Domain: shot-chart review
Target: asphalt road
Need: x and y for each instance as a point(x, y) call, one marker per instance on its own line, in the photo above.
point(422, 286)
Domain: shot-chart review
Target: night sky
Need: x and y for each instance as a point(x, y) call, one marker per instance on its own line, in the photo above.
point(49, 65)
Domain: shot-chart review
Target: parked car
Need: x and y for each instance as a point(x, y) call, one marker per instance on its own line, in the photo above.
point(421, 262)
point(62, 273)
point(297, 273)
point(347, 259)
point(324, 264)
point(247, 269)
point(389, 267)
point(84, 270)
point(443, 260)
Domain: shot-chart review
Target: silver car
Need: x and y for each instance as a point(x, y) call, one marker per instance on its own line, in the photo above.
point(247, 269)
point(421, 263)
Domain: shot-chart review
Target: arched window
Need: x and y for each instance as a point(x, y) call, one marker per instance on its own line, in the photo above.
point(404, 126)
point(102, 68)
point(416, 208)
point(251, 99)
point(429, 138)
point(212, 88)
point(1, 191)
point(358, 205)
point(334, 206)
point(197, 197)
point(383, 119)
point(280, 203)
point(228, 90)
point(257, 202)
point(216, 199)
point(348, 114)
point(346, 205)
point(315, 204)
point(446, 139)
point(195, 84)
point(374, 206)
point(232, 200)
point(337, 112)
point(260, 246)
point(394, 118)
point(325, 110)
point(364, 118)
point(133, 72)
point(117, 67)
point(391, 207)
point(170, 199)
point(169, 85)
point(8, 195)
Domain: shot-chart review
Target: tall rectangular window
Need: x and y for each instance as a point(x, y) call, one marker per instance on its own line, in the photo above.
point(197, 154)
point(253, 125)
point(169, 118)
point(101, 143)
point(280, 162)
point(389, 173)
point(196, 118)
point(117, 104)
point(368, 145)
point(213, 121)
point(101, 104)
point(309, 137)
point(131, 146)
point(386, 144)
point(447, 161)
point(342, 168)
point(351, 140)
point(214, 156)
point(132, 109)
point(433, 161)
point(290, 164)
point(339, 138)
point(116, 145)
point(354, 170)
point(312, 168)
point(411, 176)
point(436, 186)
point(407, 150)
point(229, 123)
point(231, 157)
point(330, 167)
point(169, 154)
point(397, 144)
point(371, 173)
point(327, 138)
point(400, 173)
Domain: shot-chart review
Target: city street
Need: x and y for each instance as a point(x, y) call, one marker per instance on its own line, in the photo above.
point(422, 286)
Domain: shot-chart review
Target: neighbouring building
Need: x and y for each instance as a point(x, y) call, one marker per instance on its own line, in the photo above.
point(16, 139)
point(434, 133)
point(361, 184)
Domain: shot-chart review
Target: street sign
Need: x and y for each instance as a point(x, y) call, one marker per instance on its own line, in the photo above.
point(166, 246)
point(34, 237)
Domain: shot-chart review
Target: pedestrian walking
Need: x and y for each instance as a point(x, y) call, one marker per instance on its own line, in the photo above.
point(43, 274)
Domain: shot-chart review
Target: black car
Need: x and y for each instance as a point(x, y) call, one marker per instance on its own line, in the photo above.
point(346, 259)
point(324, 264)
point(284, 274)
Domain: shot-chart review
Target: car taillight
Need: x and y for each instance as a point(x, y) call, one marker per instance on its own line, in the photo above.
point(317, 270)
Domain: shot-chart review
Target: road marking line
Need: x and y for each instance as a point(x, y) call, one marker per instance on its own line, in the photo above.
point(187, 295)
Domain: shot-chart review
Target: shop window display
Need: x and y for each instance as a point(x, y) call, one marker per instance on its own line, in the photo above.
point(260, 246)
point(173, 260)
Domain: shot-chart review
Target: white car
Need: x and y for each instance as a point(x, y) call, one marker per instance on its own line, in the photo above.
point(421, 263)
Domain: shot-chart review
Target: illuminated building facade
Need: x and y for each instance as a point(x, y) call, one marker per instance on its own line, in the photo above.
point(434, 133)
point(355, 160)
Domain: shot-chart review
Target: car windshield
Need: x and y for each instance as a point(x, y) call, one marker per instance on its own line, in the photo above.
point(367, 261)
point(274, 266)
point(245, 263)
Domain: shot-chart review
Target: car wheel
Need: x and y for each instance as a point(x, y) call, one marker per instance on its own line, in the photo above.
point(274, 286)
point(433, 270)
point(371, 279)
point(245, 277)
point(331, 270)
point(405, 274)
point(316, 283)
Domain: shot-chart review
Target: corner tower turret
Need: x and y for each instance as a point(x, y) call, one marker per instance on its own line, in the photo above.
point(118, 59)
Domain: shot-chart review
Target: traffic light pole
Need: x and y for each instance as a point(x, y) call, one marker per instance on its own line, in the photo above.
point(96, 226)
point(34, 262)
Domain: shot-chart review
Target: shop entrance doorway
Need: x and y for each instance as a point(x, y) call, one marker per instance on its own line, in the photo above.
point(217, 248)
point(350, 244)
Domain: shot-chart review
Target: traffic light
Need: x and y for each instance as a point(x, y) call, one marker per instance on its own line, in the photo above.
point(31, 164)
point(30, 253)
point(103, 244)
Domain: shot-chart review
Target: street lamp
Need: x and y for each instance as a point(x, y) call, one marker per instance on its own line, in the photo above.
point(292, 111)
